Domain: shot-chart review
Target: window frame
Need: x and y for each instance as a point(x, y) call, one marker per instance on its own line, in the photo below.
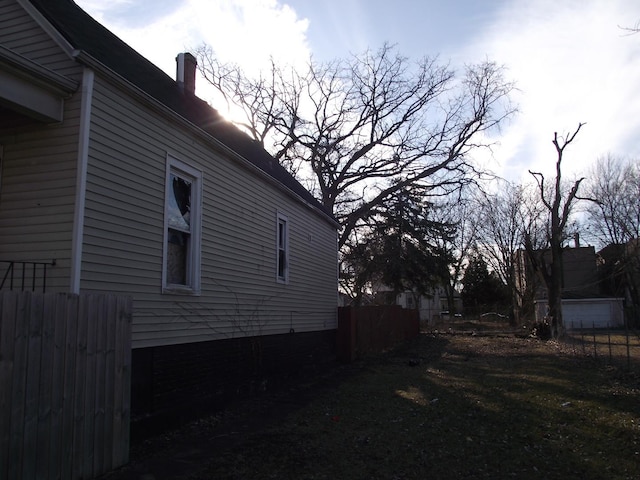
point(194, 256)
point(282, 219)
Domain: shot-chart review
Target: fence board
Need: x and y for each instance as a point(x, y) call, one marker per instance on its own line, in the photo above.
point(373, 329)
point(65, 366)
point(8, 308)
point(110, 358)
point(99, 393)
point(69, 392)
point(57, 384)
point(45, 388)
point(122, 387)
point(32, 390)
point(77, 462)
point(18, 385)
point(90, 389)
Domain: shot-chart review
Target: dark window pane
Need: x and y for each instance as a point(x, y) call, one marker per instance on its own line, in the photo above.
point(282, 259)
point(177, 255)
point(180, 204)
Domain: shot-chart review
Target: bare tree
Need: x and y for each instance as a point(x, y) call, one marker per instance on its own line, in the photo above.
point(558, 208)
point(502, 217)
point(614, 218)
point(458, 245)
point(357, 131)
point(631, 30)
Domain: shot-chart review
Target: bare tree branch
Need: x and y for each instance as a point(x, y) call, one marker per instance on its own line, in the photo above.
point(358, 130)
point(550, 267)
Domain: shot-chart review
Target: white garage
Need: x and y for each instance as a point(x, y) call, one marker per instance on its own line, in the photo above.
point(587, 312)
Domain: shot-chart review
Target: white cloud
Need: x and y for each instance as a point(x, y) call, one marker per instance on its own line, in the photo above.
point(572, 63)
point(247, 32)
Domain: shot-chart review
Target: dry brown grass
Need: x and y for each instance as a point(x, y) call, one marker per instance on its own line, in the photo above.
point(455, 406)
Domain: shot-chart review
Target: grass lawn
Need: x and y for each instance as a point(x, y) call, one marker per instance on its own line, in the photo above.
point(451, 407)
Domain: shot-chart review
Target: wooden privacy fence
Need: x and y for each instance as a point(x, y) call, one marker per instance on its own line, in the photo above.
point(363, 330)
point(65, 368)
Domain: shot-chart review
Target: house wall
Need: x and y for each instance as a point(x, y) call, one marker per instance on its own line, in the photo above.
point(241, 306)
point(580, 277)
point(587, 312)
point(175, 383)
point(123, 235)
point(580, 272)
point(38, 171)
point(430, 307)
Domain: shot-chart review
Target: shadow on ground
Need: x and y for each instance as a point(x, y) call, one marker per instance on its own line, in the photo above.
point(442, 406)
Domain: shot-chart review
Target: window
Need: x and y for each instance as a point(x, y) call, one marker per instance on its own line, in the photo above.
point(282, 255)
point(181, 254)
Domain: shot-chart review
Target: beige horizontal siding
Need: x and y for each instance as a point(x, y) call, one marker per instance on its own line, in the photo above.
point(37, 195)
point(124, 234)
point(20, 33)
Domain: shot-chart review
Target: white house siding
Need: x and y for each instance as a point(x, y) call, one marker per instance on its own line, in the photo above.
point(22, 34)
point(37, 178)
point(123, 236)
point(587, 312)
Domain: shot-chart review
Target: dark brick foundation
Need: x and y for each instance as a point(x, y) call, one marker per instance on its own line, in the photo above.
point(174, 384)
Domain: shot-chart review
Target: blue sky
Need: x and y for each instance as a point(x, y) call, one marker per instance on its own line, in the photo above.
point(570, 59)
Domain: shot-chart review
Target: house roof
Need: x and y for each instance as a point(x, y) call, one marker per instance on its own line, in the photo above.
point(86, 34)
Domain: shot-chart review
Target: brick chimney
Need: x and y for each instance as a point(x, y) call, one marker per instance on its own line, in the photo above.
point(186, 72)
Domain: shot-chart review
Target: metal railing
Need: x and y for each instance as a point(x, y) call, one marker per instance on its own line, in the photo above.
point(22, 275)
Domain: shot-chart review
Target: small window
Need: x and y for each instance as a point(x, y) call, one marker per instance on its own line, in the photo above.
point(181, 265)
point(282, 255)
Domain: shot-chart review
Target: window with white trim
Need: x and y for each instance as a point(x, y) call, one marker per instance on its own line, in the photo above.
point(282, 249)
point(181, 253)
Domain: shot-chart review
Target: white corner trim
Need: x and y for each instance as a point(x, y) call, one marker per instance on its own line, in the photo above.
point(81, 178)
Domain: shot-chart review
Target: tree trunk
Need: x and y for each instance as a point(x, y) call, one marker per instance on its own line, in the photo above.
point(554, 290)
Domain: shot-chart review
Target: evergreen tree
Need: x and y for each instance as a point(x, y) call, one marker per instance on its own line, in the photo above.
point(397, 251)
point(482, 289)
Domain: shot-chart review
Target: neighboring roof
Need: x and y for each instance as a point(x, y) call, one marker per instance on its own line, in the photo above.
point(86, 34)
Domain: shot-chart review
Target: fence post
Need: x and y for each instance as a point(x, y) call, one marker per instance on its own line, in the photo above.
point(628, 350)
point(609, 340)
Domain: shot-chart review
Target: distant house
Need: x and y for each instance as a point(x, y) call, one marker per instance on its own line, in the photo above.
point(619, 270)
point(584, 305)
point(432, 308)
point(122, 180)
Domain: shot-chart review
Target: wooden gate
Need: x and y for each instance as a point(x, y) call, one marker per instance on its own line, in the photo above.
point(65, 368)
